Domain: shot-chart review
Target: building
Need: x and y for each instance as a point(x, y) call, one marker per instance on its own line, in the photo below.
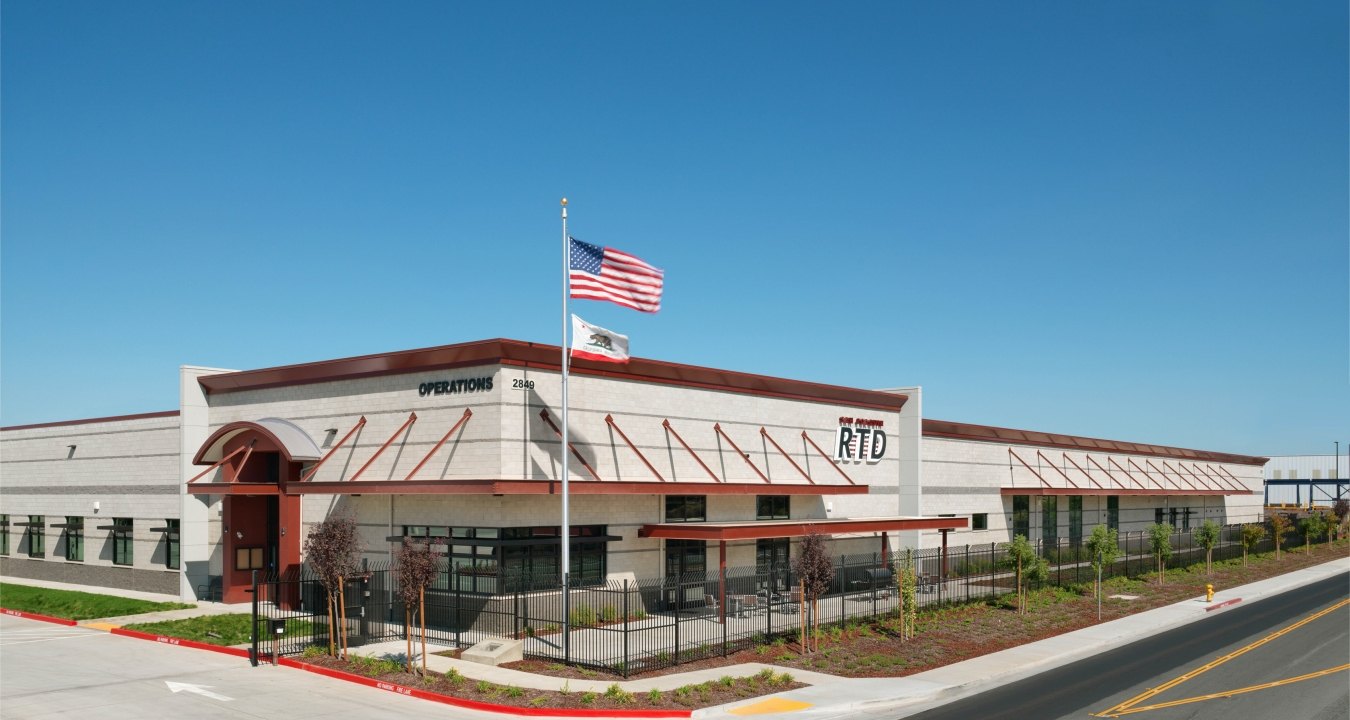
point(675, 468)
point(1305, 480)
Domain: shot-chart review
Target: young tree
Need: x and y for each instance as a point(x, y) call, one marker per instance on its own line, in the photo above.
point(333, 549)
point(1312, 526)
point(1021, 556)
point(415, 566)
point(1341, 510)
point(906, 585)
point(814, 571)
point(1207, 536)
point(1252, 533)
point(1160, 544)
point(1279, 527)
point(1104, 547)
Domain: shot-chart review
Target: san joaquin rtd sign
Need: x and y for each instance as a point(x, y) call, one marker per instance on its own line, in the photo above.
point(859, 440)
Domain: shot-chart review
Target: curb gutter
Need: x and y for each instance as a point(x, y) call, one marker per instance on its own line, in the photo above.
point(35, 616)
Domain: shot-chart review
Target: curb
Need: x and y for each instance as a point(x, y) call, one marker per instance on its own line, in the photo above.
point(166, 640)
point(1224, 604)
point(482, 706)
point(35, 616)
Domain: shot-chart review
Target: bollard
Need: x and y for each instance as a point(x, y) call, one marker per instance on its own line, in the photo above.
point(1209, 592)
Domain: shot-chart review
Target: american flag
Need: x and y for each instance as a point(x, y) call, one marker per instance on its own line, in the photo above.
point(607, 274)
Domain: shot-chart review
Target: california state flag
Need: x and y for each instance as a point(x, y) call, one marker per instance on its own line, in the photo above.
point(593, 342)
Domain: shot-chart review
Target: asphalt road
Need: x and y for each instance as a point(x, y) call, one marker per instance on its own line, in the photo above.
point(1183, 666)
point(52, 671)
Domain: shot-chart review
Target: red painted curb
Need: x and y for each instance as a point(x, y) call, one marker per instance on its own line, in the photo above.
point(1223, 604)
point(486, 707)
point(35, 616)
point(237, 652)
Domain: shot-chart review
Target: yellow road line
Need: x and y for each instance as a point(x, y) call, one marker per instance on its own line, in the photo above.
point(1239, 691)
point(1151, 692)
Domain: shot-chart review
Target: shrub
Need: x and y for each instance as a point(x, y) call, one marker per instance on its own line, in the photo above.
point(618, 694)
point(587, 697)
point(581, 617)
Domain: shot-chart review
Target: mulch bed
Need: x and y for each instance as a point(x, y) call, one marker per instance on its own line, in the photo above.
point(688, 697)
point(959, 632)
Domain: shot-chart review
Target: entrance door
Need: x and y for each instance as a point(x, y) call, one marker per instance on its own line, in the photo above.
point(686, 573)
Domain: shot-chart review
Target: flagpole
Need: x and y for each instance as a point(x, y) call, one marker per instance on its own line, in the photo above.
point(566, 535)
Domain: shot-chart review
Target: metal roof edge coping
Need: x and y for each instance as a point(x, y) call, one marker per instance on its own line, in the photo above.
point(544, 357)
point(89, 421)
point(1013, 436)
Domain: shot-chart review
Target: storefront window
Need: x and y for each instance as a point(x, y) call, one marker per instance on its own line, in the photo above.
point(1021, 516)
point(492, 560)
point(1075, 520)
point(1050, 521)
point(685, 556)
point(1113, 512)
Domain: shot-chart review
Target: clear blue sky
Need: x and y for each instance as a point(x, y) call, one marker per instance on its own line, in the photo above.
point(1124, 220)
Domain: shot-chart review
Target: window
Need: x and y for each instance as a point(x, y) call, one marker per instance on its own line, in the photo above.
point(491, 560)
point(171, 559)
point(979, 521)
point(1021, 516)
point(1158, 514)
point(4, 534)
point(37, 537)
point(1075, 519)
point(772, 507)
point(250, 558)
point(1186, 518)
point(75, 539)
point(771, 561)
point(1050, 521)
point(686, 508)
point(685, 556)
point(1172, 518)
point(1113, 512)
point(121, 537)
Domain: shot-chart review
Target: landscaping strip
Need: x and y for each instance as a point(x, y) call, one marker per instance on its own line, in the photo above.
point(478, 705)
point(35, 616)
point(237, 652)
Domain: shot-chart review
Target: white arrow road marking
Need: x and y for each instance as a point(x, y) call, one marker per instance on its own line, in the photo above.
point(198, 689)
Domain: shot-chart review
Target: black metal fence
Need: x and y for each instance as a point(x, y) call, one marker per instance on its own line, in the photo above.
point(630, 626)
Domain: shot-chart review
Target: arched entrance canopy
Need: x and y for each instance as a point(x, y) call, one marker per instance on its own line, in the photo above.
point(294, 444)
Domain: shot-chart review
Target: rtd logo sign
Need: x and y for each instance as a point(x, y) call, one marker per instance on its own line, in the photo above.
point(859, 440)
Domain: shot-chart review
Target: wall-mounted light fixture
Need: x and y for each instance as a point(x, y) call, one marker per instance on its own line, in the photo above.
point(70, 451)
point(239, 534)
point(330, 433)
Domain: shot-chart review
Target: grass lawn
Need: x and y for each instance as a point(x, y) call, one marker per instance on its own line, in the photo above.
point(74, 605)
point(216, 629)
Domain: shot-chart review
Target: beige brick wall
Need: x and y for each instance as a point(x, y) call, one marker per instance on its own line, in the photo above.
point(124, 468)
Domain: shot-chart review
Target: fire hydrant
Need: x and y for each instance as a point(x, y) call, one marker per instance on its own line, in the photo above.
point(1209, 592)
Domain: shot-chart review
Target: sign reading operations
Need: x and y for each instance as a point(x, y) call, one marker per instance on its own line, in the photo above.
point(451, 387)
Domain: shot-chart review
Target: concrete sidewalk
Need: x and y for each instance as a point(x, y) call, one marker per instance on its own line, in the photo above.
point(915, 693)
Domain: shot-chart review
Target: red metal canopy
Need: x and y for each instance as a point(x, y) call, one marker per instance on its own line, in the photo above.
point(753, 530)
point(1158, 492)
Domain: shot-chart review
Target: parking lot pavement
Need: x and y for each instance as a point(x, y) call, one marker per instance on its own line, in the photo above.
point(51, 671)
